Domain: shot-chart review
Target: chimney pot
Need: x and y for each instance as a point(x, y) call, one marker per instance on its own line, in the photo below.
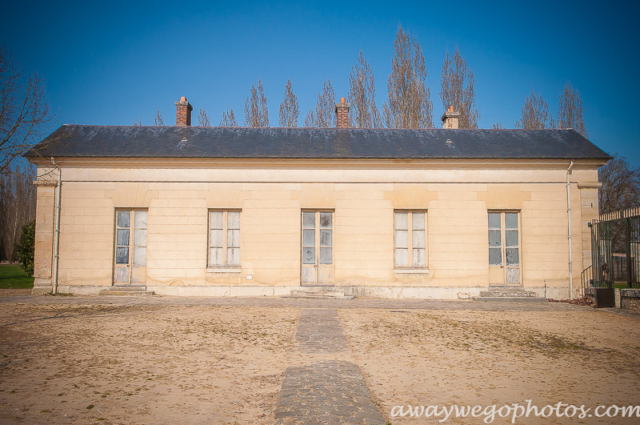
point(183, 112)
point(342, 113)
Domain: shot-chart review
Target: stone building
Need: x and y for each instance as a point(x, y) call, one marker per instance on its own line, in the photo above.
point(436, 213)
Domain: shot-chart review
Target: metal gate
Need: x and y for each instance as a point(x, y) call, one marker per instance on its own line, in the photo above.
point(615, 249)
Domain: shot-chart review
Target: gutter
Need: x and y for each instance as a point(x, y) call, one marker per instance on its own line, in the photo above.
point(56, 243)
point(569, 230)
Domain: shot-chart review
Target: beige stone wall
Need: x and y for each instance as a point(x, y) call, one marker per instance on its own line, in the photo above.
point(363, 196)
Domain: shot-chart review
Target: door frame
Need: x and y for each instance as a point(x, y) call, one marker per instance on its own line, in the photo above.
point(131, 246)
point(329, 269)
point(503, 246)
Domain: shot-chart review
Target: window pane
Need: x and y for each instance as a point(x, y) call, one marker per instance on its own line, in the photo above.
point(402, 258)
point(325, 256)
point(233, 256)
point(215, 239)
point(418, 239)
point(139, 256)
point(122, 255)
point(512, 238)
point(308, 237)
point(495, 256)
point(326, 238)
point(140, 220)
point(326, 220)
point(122, 237)
point(233, 238)
point(401, 221)
point(123, 218)
point(233, 220)
point(418, 257)
point(511, 220)
point(401, 239)
point(309, 220)
point(494, 221)
point(215, 219)
point(215, 256)
point(308, 255)
point(417, 221)
point(494, 238)
point(513, 259)
point(140, 237)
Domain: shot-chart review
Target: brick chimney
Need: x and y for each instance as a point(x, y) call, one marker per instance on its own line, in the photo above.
point(450, 118)
point(183, 112)
point(342, 114)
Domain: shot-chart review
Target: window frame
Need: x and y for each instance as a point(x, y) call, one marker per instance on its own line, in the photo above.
point(410, 248)
point(225, 239)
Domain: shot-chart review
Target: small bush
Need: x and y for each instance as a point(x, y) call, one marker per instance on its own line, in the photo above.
point(26, 246)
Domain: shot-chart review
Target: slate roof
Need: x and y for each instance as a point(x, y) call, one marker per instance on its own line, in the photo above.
point(90, 141)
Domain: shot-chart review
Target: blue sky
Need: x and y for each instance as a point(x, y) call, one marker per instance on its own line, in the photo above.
point(113, 63)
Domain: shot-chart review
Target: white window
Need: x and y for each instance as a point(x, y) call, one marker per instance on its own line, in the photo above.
point(410, 239)
point(224, 238)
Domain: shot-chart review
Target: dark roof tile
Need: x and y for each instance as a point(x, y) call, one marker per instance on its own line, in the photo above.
point(89, 141)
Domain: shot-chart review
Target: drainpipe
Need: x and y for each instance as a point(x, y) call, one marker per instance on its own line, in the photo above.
point(569, 217)
point(57, 232)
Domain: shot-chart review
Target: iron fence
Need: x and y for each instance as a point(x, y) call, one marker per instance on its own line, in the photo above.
point(615, 248)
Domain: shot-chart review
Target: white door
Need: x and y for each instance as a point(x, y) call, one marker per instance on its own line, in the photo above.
point(317, 248)
point(130, 254)
point(504, 248)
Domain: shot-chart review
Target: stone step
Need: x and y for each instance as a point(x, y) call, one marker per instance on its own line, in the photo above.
point(507, 293)
point(127, 291)
point(321, 292)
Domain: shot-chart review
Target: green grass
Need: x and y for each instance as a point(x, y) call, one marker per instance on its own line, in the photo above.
point(12, 277)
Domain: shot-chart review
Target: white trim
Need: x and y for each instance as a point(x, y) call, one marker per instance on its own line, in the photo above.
point(223, 270)
point(411, 271)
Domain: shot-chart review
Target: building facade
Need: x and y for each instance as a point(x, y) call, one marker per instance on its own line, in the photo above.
point(217, 211)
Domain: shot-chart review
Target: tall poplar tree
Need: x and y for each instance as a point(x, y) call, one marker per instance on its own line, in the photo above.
point(289, 109)
point(457, 90)
point(256, 113)
point(362, 96)
point(409, 104)
point(535, 114)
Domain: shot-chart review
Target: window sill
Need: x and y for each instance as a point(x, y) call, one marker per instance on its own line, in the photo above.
point(411, 271)
point(224, 270)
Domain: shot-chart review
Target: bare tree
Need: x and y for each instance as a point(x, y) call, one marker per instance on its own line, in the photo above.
point(362, 96)
point(497, 126)
point(620, 190)
point(203, 119)
point(620, 185)
point(158, 121)
point(17, 206)
point(409, 104)
point(535, 114)
point(137, 123)
point(324, 115)
point(24, 111)
point(570, 110)
point(228, 119)
point(289, 109)
point(256, 113)
point(457, 89)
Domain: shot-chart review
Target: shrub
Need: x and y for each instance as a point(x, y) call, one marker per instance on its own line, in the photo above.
point(26, 246)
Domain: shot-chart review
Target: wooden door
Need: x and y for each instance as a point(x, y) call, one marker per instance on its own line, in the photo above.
point(130, 253)
point(504, 248)
point(317, 248)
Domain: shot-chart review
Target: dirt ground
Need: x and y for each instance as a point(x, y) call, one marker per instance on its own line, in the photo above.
point(86, 362)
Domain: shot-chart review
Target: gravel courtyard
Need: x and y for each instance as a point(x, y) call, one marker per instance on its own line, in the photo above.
point(115, 360)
